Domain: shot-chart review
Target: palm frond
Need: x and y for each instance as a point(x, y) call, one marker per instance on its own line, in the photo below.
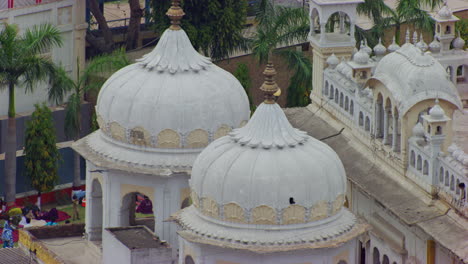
point(72, 116)
point(40, 38)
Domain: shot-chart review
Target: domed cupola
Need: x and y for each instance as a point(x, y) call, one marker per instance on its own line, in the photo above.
point(421, 44)
point(173, 100)
point(458, 43)
point(445, 12)
point(379, 49)
point(435, 45)
point(361, 57)
point(437, 112)
point(333, 61)
point(394, 46)
point(265, 181)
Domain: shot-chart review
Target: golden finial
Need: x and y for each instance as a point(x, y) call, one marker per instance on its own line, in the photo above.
point(175, 14)
point(269, 86)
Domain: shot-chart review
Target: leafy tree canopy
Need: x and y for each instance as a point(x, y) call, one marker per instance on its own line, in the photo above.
point(242, 74)
point(213, 26)
point(41, 155)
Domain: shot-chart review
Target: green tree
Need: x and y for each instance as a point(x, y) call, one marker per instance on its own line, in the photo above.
point(21, 64)
point(242, 74)
point(213, 26)
point(90, 80)
point(462, 28)
point(41, 155)
point(285, 26)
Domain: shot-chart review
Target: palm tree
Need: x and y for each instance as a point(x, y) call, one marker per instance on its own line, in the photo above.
point(284, 26)
point(95, 69)
point(21, 63)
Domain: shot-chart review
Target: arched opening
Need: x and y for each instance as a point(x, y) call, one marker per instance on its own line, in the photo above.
point(95, 229)
point(314, 22)
point(351, 107)
point(419, 163)
point(461, 74)
point(342, 262)
point(385, 260)
point(450, 72)
point(376, 256)
point(447, 180)
point(341, 100)
point(186, 203)
point(338, 22)
point(189, 260)
point(367, 127)
point(362, 253)
point(426, 167)
point(332, 92)
point(457, 188)
point(438, 28)
point(452, 183)
point(412, 159)
point(388, 123)
point(379, 116)
point(441, 175)
point(438, 130)
point(337, 96)
point(346, 104)
point(361, 119)
point(326, 88)
point(137, 209)
point(448, 29)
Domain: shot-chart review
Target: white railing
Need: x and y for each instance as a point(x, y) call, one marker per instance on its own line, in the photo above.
point(11, 4)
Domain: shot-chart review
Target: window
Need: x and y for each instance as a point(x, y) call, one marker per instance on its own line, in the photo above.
point(458, 188)
point(337, 96)
point(448, 30)
point(412, 159)
point(367, 123)
point(341, 100)
point(332, 91)
point(441, 175)
point(189, 260)
point(351, 107)
point(426, 168)
point(361, 119)
point(452, 183)
point(385, 260)
point(346, 104)
point(439, 130)
point(376, 256)
point(438, 28)
point(419, 163)
point(446, 178)
point(326, 88)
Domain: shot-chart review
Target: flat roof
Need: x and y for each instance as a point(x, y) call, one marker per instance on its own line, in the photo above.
point(136, 237)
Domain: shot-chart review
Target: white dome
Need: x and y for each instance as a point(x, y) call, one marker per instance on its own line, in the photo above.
point(394, 46)
point(418, 130)
point(421, 44)
point(171, 98)
point(445, 12)
point(435, 46)
point(361, 57)
point(268, 162)
point(332, 61)
point(380, 49)
point(458, 43)
point(412, 76)
point(366, 48)
point(437, 112)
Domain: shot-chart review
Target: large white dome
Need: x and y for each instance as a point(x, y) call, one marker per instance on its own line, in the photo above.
point(171, 98)
point(269, 166)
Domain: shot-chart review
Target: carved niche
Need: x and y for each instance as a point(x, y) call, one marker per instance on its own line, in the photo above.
point(294, 214)
point(338, 203)
point(139, 136)
point(195, 200)
point(117, 131)
point(234, 213)
point(168, 138)
point(222, 131)
point(319, 211)
point(101, 123)
point(197, 139)
point(263, 215)
point(210, 207)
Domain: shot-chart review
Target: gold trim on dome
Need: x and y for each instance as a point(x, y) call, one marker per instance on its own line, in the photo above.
point(222, 131)
point(294, 214)
point(264, 215)
point(117, 131)
point(168, 138)
point(175, 14)
point(210, 207)
point(234, 213)
point(198, 138)
point(338, 203)
point(319, 211)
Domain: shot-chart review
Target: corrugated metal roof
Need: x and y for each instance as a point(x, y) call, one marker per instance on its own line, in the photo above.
point(15, 255)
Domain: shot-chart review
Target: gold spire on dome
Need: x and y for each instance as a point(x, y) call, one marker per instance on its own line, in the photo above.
point(175, 14)
point(269, 86)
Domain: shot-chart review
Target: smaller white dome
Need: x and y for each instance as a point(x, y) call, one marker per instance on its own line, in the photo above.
point(418, 130)
point(361, 57)
point(452, 148)
point(366, 48)
point(437, 112)
point(445, 12)
point(379, 49)
point(394, 46)
point(458, 43)
point(333, 61)
point(458, 153)
point(435, 46)
point(421, 44)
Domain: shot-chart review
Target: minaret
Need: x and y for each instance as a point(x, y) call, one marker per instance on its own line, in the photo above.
point(435, 126)
point(338, 41)
point(445, 26)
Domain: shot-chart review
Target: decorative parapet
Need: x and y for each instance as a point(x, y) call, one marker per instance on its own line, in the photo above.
point(34, 245)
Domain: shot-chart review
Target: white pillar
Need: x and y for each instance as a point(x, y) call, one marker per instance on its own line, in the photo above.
point(351, 32)
point(322, 32)
point(395, 132)
point(385, 126)
point(342, 23)
point(377, 127)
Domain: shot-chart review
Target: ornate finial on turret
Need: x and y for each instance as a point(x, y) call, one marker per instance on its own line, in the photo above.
point(269, 86)
point(175, 14)
point(407, 39)
point(415, 37)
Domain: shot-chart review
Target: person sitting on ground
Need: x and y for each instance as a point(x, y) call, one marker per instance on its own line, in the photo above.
point(145, 207)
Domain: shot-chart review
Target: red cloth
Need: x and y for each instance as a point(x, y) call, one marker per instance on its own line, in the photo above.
point(62, 216)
